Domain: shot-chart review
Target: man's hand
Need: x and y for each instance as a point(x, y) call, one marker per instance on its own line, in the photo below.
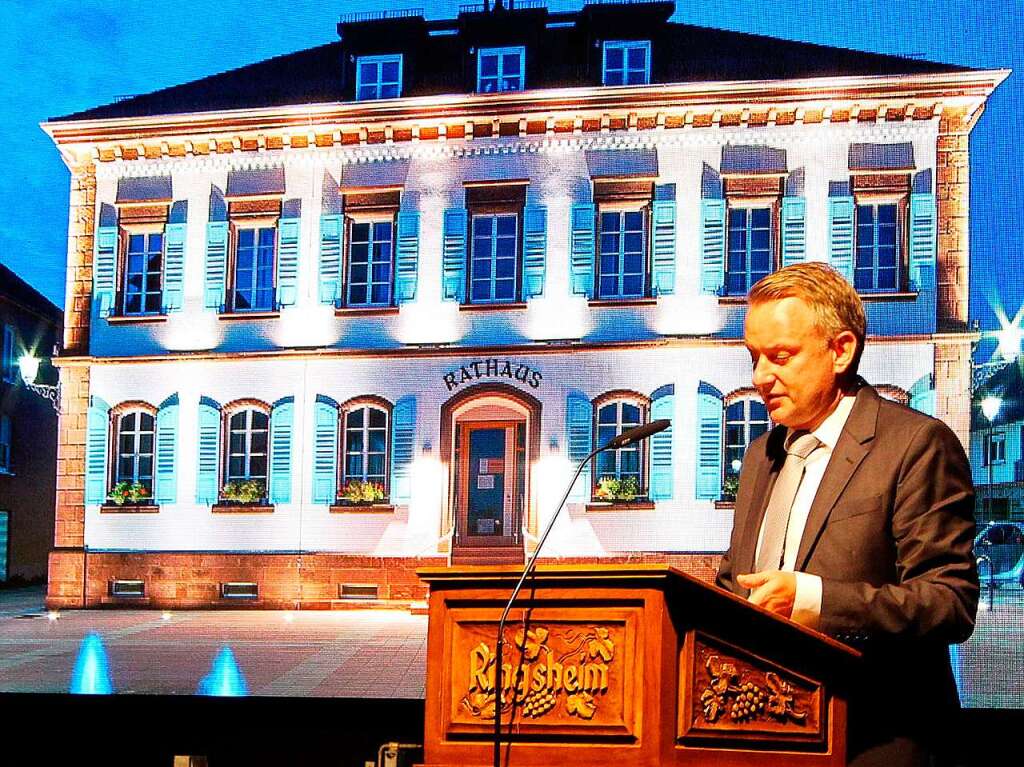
point(773, 590)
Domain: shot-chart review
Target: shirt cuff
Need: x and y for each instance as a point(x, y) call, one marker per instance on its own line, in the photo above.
point(807, 602)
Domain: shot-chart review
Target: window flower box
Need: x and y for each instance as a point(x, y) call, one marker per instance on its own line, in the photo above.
point(237, 507)
point(129, 508)
point(361, 507)
point(636, 504)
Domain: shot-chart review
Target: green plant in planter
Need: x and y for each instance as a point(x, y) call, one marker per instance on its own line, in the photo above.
point(730, 486)
point(131, 493)
point(247, 491)
point(613, 489)
point(359, 492)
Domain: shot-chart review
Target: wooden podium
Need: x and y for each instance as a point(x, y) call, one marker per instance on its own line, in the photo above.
point(626, 665)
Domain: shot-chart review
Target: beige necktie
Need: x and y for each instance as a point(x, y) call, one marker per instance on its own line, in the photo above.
point(776, 516)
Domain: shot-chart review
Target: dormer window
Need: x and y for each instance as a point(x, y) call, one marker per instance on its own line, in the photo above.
point(500, 69)
point(626, 62)
point(378, 77)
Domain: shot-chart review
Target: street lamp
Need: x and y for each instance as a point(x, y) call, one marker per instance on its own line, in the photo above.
point(29, 366)
point(990, 407)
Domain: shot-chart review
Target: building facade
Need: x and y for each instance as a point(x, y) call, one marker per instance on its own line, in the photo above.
point(30, 324)
point(364, 307)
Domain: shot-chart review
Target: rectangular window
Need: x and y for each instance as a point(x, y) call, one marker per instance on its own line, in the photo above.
point(143, 273)
point(253, 277)
point(625, 463)
point(995, 449)
point(622, 254)
point(745, 421)
point(135, 443)
point(370, 262)
point(750, 256)
point(9, 359)
point(626, 62)
point(378, 77)
point(500, 69)
point(878, 254)
point(5, 444)
point(248, 433)
point(366, 445)
point(494, 258)
point(5, 524)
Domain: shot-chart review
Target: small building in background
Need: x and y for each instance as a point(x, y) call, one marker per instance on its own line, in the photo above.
point(30, 324)
point(997, 459)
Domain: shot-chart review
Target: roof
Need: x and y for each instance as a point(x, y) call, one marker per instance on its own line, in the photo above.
point(558, 56)
point(14, 288)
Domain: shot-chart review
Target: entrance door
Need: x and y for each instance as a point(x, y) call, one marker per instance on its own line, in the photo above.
point(489, 483)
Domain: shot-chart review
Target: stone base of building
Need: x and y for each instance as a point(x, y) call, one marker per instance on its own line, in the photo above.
point(266, 581)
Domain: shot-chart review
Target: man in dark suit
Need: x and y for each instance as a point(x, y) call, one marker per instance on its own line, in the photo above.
point(854, 516)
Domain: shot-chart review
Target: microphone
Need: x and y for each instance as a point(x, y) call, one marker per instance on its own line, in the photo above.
point(628, 437)
point(637, 434)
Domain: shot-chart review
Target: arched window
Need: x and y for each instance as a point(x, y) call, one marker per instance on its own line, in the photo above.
point(135, 431)
point(248, 430)
point(365, 445)
point(746, 419)
point(615, 413)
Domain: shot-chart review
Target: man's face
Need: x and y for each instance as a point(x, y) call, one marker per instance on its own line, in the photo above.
point(795, 366)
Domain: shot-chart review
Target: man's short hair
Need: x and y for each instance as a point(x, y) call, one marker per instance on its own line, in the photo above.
point(830, 296)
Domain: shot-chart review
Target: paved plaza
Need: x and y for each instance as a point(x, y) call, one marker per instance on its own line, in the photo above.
point(342, 653)
point(345, 653)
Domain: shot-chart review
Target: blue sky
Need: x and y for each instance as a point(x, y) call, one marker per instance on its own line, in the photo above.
point(61, 56)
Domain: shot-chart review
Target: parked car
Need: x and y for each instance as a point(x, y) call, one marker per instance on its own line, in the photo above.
point(1003, 544)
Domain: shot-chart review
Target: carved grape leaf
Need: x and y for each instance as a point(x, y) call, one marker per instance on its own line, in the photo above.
point(581, 704)
point(531, 642)
point(480, 704)
point(602, 645)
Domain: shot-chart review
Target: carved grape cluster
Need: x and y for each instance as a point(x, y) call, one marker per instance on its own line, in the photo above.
point(538, 703)
point(748, 702)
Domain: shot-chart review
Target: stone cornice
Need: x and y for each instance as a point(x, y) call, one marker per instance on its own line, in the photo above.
point(550, 112)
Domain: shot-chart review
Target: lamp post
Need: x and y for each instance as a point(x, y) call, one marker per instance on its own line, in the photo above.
point(990, 407)
point(29, 366)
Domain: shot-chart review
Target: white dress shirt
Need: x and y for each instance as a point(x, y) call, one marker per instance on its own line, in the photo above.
point(807, 603)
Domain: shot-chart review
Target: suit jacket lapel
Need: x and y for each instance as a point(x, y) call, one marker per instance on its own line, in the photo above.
point(853, 445)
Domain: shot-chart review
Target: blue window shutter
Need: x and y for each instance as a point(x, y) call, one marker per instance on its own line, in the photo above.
point(325, 451)
point(794, 230)
point(535, 249)
point(922, 240)
point(582, 249)
point(922, 395)
point(104, 269)
point(661, 450)
point(453, 259)
point(579, 441)
point(663, 214)
point(331, 227)
point(209, 451)
point(403, 446)
point(174, 266)
point(216, 263)
point(282, 417)
point(840, 235)
point(407, 256)
point(96, 427)
point(709, 443)
point(712, 246)
point(288, 260)
point(165, 488)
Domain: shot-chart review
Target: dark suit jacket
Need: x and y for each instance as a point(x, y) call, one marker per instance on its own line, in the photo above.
point(890, 533)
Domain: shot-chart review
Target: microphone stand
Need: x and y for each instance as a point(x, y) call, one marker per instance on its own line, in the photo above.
point(515, 592)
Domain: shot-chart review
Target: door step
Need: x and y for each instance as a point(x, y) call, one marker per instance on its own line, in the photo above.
point(488, 555)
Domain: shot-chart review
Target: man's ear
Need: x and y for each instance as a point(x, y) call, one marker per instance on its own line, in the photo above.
point(844, 346)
